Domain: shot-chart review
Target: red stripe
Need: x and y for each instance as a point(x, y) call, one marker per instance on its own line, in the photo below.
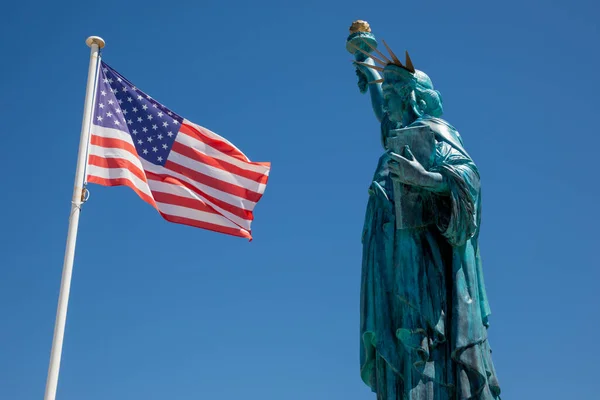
point(122, 182)
point(214, 182)
point(207, 225)
point(218, 163)
point(168, 198)
point(188, 172)
point(113, 144)
point(117, 163)
point(220, 145)
point(171, 218)
point(237, 211)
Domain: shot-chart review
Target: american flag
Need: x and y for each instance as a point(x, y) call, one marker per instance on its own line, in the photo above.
point(191, 175)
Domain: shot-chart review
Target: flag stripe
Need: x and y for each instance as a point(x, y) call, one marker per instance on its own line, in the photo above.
point(217, 173)
point(242, 218)
point(201, 131)
point(192, 141)
point(228, 198)
point(216, 143)
point(163, 202)
point(121, 149)
point(213, 182)
point(114, 161)
point(234, 213)
point(186, 218)
point(117, 157)
point(111, 143)
point(111, 133)
point(96, 178)
point(205, 225)
point(189, 202)
point(117, 163)
point(115, 152)
point(190, 213)
point(215, 162)
point(121, 173)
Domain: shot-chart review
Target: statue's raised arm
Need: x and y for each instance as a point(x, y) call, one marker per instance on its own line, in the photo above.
point(361, 43)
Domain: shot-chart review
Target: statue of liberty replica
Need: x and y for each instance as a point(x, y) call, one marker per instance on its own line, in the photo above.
point(424, 309)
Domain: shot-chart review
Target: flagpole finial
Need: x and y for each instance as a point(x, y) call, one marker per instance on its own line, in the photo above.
point(95, 40)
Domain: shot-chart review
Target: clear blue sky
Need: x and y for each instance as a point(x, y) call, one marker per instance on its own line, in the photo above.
point(164, 311)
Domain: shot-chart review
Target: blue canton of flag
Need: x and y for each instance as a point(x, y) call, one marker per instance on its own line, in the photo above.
point(120, 105)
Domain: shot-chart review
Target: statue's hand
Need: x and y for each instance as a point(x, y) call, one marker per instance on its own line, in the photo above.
point(363, 80)
point(408, 170)
point(369, 72)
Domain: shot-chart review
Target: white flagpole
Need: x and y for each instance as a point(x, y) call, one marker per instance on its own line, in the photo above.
point(95, 43)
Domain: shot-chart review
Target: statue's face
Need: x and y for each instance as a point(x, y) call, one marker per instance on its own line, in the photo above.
point(398, 99)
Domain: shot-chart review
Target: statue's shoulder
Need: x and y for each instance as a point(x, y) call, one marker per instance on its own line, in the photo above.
point(439, 126)
point(443, 131)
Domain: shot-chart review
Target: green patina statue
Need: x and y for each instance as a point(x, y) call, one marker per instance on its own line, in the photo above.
point(424, 309)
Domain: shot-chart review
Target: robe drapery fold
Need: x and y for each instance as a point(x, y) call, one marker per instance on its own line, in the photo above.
point(424, 309)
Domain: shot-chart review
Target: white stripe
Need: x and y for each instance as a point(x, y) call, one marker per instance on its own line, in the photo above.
point(216, 172)
point(209, 151)
point(169, 188)
point(157, 169)
point(213, 135)
point(143, 165)
point(114, 173)
point(111, 133)
point(112, 152)
point(179, 211)
point(223, 196)
point(170, 209)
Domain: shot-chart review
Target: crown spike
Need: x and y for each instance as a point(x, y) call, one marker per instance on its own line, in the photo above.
point(366, 53)
point(378, 60)
point(375, 67)
point(388, 61)
point(396, 61)
point(409, 64)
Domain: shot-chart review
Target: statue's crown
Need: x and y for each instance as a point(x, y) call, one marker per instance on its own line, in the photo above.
point(392, 68)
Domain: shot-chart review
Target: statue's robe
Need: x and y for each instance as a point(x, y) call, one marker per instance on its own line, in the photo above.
point(424, 309)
